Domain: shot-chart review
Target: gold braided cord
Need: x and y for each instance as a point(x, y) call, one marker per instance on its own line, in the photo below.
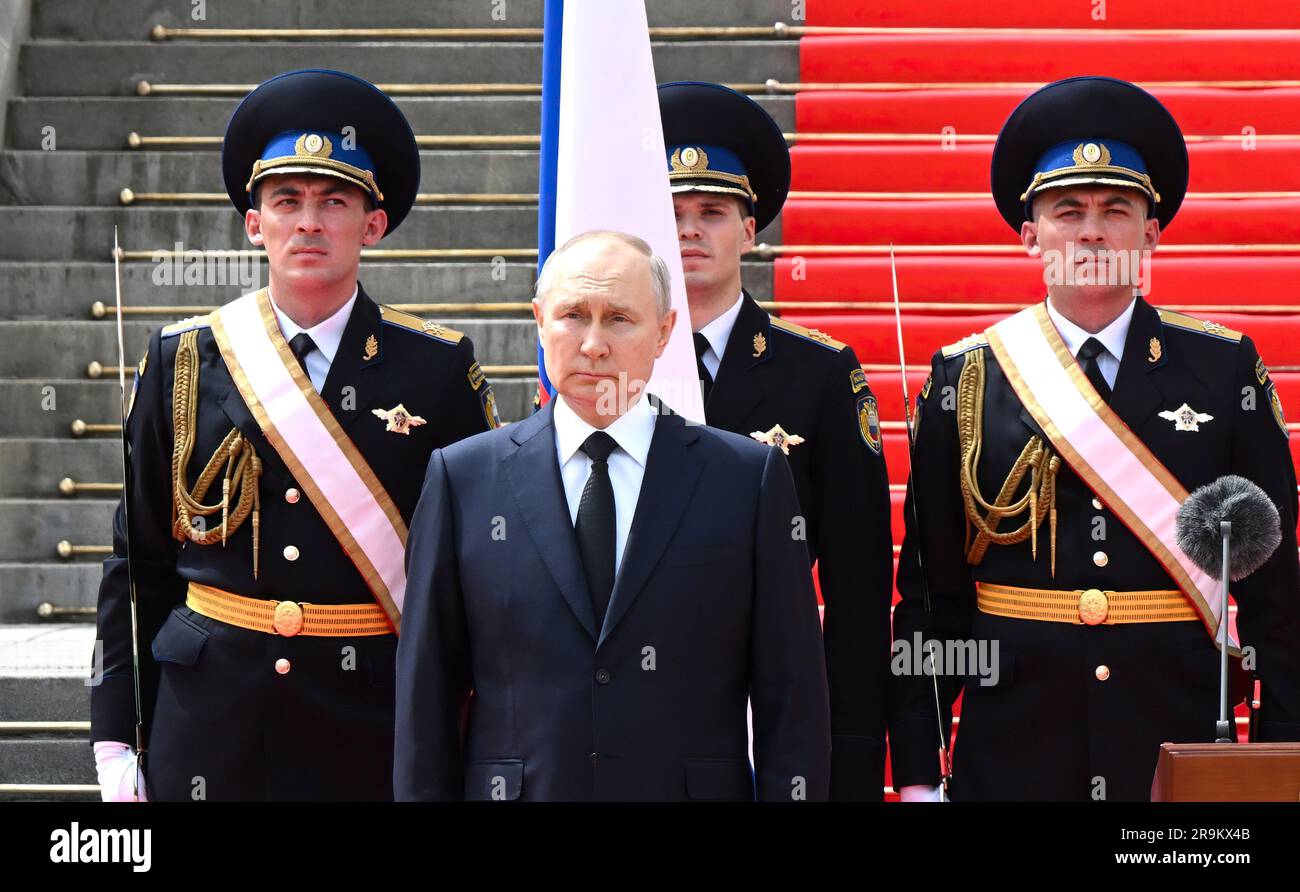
point(1042, 465)
point(236, 456)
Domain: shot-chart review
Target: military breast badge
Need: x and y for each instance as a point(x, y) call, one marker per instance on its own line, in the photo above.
point(399, 420)
point(1185, 418)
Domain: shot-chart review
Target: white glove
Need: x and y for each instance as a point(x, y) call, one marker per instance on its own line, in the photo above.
point(118, 769)
point(921, 793)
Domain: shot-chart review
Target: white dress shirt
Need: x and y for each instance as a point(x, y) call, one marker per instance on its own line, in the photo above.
point(633, 432)
point(1111, 337)
point(327, 335)
point(717, 333)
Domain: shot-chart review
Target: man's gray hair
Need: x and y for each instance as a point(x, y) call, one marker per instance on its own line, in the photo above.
point(660, 280)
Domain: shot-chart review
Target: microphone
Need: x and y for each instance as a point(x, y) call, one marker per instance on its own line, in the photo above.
point(1228, 528)
point(1256, 526)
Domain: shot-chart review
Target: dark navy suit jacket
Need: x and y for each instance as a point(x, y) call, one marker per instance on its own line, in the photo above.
point(506, 689)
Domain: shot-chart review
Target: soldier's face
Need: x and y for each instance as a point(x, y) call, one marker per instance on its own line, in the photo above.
point(600, 329)
point(313, 228)
point(1090, 239)
point(712, 233)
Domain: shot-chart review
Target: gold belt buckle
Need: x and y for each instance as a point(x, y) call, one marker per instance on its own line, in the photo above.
point(288, 618)
point(1093, 607)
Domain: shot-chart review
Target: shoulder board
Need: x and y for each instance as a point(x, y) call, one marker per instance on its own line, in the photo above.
point(811, 335)
point(966, 344)
point(423, 326)
point(1202, 326)
point(187, 324)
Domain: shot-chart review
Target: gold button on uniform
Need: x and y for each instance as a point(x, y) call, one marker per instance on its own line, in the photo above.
point(282, 666)
point(292, 496)
point(1096, 503)
point(1101, 559)
point(1103, 672)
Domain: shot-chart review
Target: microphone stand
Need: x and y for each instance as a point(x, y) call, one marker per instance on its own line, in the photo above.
point(1223, 729)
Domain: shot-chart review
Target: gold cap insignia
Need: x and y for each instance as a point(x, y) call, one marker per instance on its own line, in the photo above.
point(1185, 418)
point(313, 144)
point(372, 348)
point(1091, 153)
point(777, 437)
point(400, 421)
point(760, 344)
point(689, 158)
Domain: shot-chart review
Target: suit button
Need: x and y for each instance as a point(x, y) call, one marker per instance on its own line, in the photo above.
point(291, 552)
point(593, 758)
point(282, 666)
point(1096, 503)
point(603, 676)
point(1103, 672)
point(1101, 559)
point(292, 496)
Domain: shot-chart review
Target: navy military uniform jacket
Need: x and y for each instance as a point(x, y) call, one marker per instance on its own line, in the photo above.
point(214, 706)
point(774, 372)
point(1056, 725)
point(713, 605)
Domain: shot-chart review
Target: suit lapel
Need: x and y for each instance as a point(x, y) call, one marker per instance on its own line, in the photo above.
point(666, 489)
point(534, 475)
point(357, 354)
point(1137, 393)
point(734, 395)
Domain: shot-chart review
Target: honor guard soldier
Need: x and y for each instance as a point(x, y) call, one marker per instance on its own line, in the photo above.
point(277, 448)
point(794, 388)
point(1052, 453)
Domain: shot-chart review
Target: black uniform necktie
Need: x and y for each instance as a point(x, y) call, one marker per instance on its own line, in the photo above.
point(706, 380)
point(1088, 354)
point(596, 523)
point(302, 345)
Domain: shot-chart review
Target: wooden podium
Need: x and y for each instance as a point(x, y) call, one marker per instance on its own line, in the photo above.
point(1227, 772)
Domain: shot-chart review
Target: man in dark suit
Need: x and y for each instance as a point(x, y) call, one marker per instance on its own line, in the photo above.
point(596, 591)
point(797, 389)
point(276, 451)
point(1042, 443)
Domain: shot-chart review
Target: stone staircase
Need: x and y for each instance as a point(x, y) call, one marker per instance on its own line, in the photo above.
point(66, 160)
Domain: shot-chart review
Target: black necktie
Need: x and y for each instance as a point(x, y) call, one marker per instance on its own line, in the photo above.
point(706, 380)
point(301, 345)
point(1088, 354)
point(596, 523)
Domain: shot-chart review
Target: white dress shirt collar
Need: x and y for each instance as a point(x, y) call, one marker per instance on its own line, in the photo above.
point(1111, 337)
point(717, 333)
point(632, 431)
point(327, 334)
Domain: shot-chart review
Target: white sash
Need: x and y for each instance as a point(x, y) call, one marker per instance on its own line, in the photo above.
point(305, 433)
point(1101, 449)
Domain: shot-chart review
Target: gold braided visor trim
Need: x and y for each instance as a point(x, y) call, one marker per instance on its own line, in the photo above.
point(702, 180)
point(1085, 606)
point(1078, 176)
point(313, 164)
point(288, 618)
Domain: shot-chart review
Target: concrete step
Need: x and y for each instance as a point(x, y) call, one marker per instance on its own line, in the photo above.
point(47, 760)
point(95, 402)
point(132, 19)
point(74, 177)
point(65, 291)
point(87, 122)
point(45, 352)
point(24, 587)
point(80, 233)
point(32, 468)
point(31, 528)
point(60, 68)
point(48, 698)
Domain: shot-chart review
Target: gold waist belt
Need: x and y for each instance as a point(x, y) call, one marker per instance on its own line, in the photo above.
point(1089, 607)
point(288, 618)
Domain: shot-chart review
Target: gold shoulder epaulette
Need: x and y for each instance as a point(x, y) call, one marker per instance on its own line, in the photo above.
point(186, 324)
point(1204, 326)
point(423, 326)
point(970, 342)
point(820, 338)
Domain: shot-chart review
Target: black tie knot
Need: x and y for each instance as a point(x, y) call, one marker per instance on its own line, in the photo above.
point(701, 346)
point(301, 345)
point(598, 446)
point(1091, 349)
